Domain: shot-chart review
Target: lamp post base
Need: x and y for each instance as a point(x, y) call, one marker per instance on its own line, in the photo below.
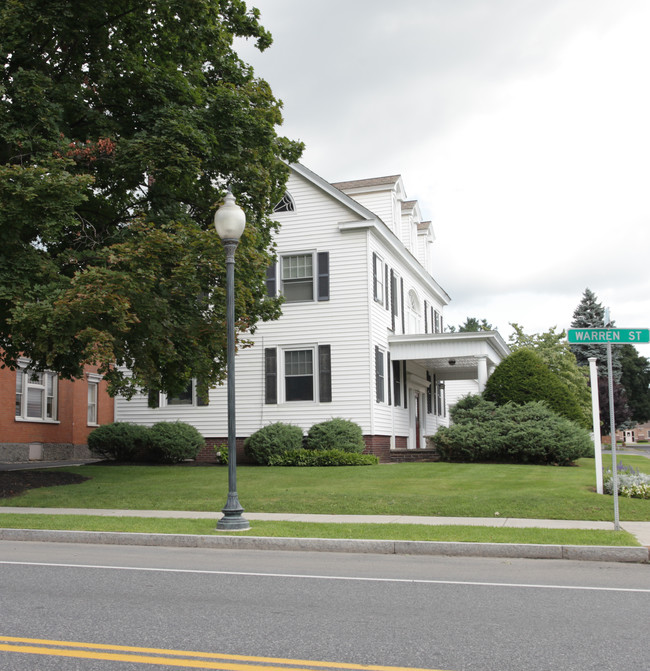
point(232, 519)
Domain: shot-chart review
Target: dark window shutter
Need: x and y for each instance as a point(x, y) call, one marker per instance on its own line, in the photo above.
point(429, 394)
point(379, 375)
point(271, 280)
point(202, 395)
point(374, 275)
point(401, 290)
point(388, 382)
point(153, 399)
point(393, 299)
point(323, 276)
point(386, 285)
point(426, 317)
point(270, 375)
point(396, 383)
point(404, 383)
point(324, 374)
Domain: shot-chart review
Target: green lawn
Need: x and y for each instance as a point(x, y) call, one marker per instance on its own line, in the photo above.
point(410, 532)
point(465, 490)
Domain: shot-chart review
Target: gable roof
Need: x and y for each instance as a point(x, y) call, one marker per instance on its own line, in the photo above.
point(373, 181)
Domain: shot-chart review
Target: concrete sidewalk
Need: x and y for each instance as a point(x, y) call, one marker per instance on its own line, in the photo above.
point(641, 530)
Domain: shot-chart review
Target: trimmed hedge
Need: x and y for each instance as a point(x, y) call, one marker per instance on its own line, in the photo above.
point(120, 441)
point(336, 434)
point(523, 434)
point(164, 442)
point(305, 457)
point(271, 440)
point(172, 442)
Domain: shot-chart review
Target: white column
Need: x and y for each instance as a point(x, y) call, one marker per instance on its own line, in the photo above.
point(595, 414)
point(482, 374)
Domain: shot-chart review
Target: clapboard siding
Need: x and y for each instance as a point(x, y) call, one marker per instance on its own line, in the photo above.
point(350, 322)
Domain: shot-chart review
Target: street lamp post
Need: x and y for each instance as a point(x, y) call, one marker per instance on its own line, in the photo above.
point(230, 220)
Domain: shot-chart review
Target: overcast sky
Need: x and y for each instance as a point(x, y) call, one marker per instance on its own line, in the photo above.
point(521, 126)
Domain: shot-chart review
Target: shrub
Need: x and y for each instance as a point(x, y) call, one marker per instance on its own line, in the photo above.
point(524, 377)
point(631, 482)
point(120, 441)
point(271, 440)
point(525, 434)
point(336, 434)
point(305, 457)
point(171, 442)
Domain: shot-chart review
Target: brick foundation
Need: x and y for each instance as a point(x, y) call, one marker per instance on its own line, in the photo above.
point(207, 453)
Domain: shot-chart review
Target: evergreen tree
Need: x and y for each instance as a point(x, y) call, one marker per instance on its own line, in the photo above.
point(121, 123)
point(591, 314)
point(636, 380)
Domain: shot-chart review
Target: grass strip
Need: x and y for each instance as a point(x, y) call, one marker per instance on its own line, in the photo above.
point(431, 489)
point(410, 532)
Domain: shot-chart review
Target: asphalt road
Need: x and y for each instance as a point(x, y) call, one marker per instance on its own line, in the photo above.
point(454, 614)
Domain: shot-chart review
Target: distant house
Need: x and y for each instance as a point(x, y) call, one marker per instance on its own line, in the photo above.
point(46, 418)
point(361, 334)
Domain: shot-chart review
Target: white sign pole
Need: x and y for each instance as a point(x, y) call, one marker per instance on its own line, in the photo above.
point(612, 424)
point(595, 413)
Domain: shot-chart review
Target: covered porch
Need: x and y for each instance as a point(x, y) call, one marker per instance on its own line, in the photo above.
point(440, 368)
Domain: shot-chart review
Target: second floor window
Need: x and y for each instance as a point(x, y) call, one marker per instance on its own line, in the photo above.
point(302, 277)
point(298, 277)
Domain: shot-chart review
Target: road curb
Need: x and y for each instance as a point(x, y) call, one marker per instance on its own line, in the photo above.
point(639, 555)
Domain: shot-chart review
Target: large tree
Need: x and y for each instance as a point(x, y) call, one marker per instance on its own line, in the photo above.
point(121, 124)
point(591, 314)
point(556, 353)
point(635, 378)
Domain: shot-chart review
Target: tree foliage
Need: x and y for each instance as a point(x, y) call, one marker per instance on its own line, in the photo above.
point(471, 325)
point(556, 353)
point(591, 314)
point(635, 378)
point(524, 377)
point(120, 125)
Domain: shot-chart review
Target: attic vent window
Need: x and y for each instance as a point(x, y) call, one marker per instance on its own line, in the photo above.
point(286, 204)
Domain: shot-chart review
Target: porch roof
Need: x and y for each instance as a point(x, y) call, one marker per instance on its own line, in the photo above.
point(451, 356)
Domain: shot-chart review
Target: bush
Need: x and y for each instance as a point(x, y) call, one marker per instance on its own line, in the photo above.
point(271, 440)
point(524, 434)
point(120, 441)
point(631, 482)
point(524, 377)
point(171, 442)
point(336, 434)
point(305, 457)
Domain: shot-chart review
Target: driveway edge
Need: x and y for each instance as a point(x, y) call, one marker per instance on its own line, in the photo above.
point(433, 548)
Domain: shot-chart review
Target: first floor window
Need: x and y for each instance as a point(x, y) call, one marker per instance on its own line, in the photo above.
point(305, 374)
point(299, 375)
point(36, 395)
point(93, 389)
point(190, 396)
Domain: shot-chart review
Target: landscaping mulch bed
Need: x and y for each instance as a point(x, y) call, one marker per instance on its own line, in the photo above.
point(13, 483)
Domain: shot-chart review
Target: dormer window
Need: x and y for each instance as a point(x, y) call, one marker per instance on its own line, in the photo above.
point(286, 204)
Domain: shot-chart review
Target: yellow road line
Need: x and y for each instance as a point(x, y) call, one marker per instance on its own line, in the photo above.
point(118, 653)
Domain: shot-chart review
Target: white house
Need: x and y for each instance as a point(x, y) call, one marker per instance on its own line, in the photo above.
point(361, 333)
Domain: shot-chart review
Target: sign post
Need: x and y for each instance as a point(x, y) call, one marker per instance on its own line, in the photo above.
point(607, 336)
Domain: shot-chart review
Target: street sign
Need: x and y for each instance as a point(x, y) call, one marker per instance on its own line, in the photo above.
point(605, 335)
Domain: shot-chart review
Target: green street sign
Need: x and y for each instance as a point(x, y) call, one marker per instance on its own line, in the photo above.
point(604, 335)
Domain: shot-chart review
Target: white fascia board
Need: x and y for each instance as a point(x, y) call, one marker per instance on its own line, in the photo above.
point(376, 226)
point(372, 222)
point(343, 198)
point(448, 344)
